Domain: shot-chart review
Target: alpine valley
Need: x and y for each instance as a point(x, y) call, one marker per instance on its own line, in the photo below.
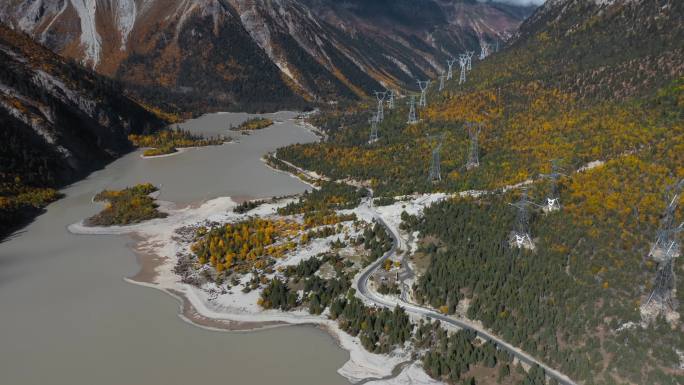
point(458, 192)
point(207, 55)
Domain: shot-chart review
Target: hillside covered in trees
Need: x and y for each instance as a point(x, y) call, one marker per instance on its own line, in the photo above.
point(59, 122)
point(596, 86)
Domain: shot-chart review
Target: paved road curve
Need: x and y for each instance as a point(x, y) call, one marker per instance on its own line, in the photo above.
point(362, 290)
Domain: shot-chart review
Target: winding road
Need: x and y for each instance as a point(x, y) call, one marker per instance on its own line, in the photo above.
point(365, 293)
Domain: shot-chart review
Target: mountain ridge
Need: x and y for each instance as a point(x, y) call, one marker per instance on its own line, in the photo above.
point(289, 52)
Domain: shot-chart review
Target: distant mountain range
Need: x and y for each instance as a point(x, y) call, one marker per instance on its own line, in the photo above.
point(200, 55)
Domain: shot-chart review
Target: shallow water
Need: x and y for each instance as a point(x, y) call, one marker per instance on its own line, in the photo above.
point(68, 317)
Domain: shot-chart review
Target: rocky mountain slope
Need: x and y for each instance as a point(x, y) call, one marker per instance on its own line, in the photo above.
point(247, 54)
point(59, 121)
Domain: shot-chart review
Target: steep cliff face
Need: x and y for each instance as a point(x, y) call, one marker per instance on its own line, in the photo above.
point(252, 54)
point(58, 121)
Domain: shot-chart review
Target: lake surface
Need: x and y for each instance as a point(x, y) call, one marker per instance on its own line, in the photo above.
point(68, 317)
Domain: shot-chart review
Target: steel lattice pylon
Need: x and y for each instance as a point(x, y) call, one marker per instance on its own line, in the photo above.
point(374, 129)
point(521, 236)
point(469, 61)
point(474, 130)
point(553, 202)
point(380, 116)
point(412, 119)
point(663, 284)
point(665, 249)
point(666, 238)
point(450, 65)
point(484, 50)
point(424, 84)
point(435, 164)
point(462, 61)
point(390, 101)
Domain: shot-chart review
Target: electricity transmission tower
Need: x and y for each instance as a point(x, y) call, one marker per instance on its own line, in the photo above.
point(469, 55)
point(462, 61)
point(474, 155)
point(412, 110)
point(484, 50)
point(374, 129)
point(442, 77)
point(665, 249)
point(663, 284)
point(423, 92)
point(553, 200)
point(521, 237)
point(450, 64)
point(390, 101)
point(666, 238)
point(435, 169)
point(381, 104)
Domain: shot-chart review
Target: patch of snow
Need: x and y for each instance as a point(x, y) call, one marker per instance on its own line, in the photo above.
point(126, 13)
point(90, 39)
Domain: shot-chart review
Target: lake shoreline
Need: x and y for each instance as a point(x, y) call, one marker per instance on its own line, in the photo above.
point(156, 249)
point(154, 245)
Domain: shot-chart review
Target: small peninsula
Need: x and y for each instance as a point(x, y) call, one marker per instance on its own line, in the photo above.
point(168, 141)
point(128, 206)
point(254, 124)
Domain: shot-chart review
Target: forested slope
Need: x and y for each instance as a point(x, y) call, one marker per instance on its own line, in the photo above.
point(586, 83)
point(59, 122)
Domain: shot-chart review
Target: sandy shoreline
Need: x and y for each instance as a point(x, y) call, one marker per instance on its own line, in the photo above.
point(156, 247)
point(150, 262)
